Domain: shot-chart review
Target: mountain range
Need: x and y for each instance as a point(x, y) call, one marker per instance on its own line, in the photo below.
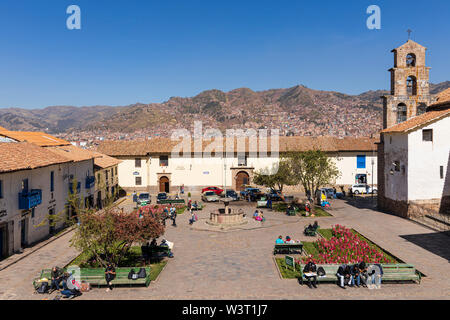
point(288, 109)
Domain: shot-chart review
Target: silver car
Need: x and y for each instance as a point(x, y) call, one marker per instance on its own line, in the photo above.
point(210, 196)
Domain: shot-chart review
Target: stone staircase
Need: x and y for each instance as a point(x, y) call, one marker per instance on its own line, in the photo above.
point(437, 222)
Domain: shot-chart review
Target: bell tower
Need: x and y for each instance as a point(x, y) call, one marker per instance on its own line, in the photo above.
point(410, 90)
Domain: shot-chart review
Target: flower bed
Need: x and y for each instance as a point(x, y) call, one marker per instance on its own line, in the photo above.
point(346, 246)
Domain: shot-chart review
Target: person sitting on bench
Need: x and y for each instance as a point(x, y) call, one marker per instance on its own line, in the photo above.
point(279, 240)
point(356, 275)
point(364, 276)
point(110, 274)
point(56, 278)
point(310, 273)
point(289, 240)
point(344, 275)
point(195, 205)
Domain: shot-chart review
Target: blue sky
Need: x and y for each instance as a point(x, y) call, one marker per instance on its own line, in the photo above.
point(147, 51)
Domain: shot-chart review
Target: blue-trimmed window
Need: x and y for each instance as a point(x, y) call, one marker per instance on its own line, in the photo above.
point(52, 181)
point(361, 161)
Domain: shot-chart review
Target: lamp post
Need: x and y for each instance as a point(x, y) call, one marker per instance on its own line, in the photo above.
point(372, 162)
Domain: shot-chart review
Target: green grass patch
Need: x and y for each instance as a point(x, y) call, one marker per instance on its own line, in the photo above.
point(310, 248)
point(326, 233)
point(156, 268)
point(286, 272)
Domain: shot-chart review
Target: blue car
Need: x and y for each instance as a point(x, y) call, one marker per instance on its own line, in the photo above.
point(232, 194)
point(254, 193)
point(161, 196)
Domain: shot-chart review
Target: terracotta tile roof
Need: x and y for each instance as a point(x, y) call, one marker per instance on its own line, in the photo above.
point(103, 161)
point(286, 144)
point(443, 98)
point(38, 138)
point(23, 155)
point(418, 121)
point(72, 152)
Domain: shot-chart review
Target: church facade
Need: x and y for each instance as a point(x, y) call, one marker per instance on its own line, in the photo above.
point(414, 148)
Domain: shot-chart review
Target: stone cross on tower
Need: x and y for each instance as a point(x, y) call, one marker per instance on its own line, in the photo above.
point(409, 33)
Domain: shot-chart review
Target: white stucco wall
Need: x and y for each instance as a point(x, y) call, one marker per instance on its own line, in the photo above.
point(346, 162)
point(40, 179)
point(425, 158)
point(210, 171)
point(396, 149)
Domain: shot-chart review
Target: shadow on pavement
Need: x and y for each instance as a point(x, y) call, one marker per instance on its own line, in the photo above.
point(362, 202)
point(437, 242)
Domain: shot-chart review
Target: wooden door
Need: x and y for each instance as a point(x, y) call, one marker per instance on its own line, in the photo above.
point(242, 178)
point(164, 184)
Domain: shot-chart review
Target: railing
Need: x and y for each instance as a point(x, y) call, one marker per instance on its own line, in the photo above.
point(30, 199)
point(90, 182)
point(78, 187)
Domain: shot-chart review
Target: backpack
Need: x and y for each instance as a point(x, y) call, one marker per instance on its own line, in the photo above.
point(131, 274)
point(43, 288)
point(142, 273)
point(320, 271)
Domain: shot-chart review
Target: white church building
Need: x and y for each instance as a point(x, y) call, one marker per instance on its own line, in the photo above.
point(149, 165)
point(416, 153)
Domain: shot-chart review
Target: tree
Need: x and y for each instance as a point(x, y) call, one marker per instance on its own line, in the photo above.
point(281, 177)
point(109, 234)
point(313, 169)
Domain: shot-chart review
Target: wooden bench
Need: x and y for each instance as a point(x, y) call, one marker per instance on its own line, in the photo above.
point(288, 248)
point(171, 201)
point(96, 276)
point(152, 251)
point(391, 272)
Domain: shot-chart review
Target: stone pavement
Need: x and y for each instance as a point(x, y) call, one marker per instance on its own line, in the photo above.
point(239, 264)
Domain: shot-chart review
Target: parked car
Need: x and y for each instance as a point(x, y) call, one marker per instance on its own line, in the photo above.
point(144, 199)
point(274, 195)
point(363, 188)
point(369, 190)
point(161, 196)
point(261, 203)
point(254, 193)
point(230, 193)
point(329, 192)
point(216, 190)
point(210, 196)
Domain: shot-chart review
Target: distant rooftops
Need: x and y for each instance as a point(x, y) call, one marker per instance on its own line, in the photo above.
point(442, 101)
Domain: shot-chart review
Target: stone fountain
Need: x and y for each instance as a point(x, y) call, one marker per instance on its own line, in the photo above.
point(226, 217)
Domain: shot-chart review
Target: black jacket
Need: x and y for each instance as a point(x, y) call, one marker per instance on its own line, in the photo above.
point(310, 267)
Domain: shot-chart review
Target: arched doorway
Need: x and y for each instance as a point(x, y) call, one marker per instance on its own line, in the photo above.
point(242, 178)
point(164, 184)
